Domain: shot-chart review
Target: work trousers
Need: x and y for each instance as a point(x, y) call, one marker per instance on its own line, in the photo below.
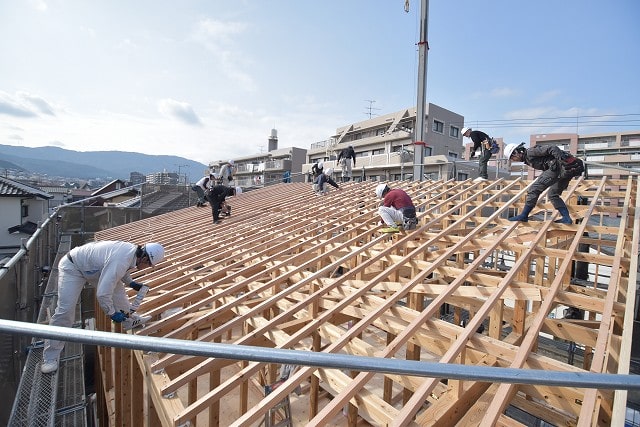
point(548, 179)
point(483, 161)
point(391, 216)
point(346, 169)
point(70, 284)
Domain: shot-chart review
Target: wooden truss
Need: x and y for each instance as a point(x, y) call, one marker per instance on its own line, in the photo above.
point(293, 270)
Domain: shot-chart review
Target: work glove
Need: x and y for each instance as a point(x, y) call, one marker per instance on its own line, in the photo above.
point(119, 316)
point(230, 178)
point(570, 162)
point(135, 285)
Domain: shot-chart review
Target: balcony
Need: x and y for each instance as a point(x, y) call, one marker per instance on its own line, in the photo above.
point(277, 165)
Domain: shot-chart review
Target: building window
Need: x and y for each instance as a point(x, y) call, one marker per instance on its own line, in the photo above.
point(452, 155)
point(380, 132)
point(438, 126)
point(454, 132)
point(378, 151)
point(25, 210)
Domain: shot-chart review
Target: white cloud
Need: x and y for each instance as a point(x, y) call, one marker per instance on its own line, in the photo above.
point(219, 39)
point(181, 111)
point(503, 92)
point(546, 96)
point(24, 104)
point(38, 5)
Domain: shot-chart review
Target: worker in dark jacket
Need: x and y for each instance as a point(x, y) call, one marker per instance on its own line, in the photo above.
point(346, 156)
point(480, 140)
point(558, 168)
point(216, 196)
point(321, 181)
point(317, 169)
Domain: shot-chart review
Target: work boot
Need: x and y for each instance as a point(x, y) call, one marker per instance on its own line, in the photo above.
point(524, 215)
point(49, 366)
point(134, 320)
point(566, 218)
point(391, 229)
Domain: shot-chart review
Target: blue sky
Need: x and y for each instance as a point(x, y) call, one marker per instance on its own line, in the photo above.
point(208, 80)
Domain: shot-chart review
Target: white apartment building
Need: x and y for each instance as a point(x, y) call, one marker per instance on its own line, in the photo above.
point(270, 167)
point(614, 154)
point(384, 147)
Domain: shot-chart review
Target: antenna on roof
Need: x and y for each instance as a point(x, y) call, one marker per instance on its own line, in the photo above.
point(370, 109)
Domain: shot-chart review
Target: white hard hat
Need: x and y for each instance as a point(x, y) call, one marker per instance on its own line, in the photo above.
point(231, 162)
point(380, 190)
point(320, 165)
point(508, 150)
point(464, 130)
point(155, 252)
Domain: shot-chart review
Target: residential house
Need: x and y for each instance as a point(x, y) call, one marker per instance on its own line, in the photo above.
point(22, 208)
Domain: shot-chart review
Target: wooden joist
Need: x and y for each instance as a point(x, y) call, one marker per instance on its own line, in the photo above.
point(290, 269)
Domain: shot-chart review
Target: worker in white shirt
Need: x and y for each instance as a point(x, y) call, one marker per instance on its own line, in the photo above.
point(106, 265)
point(201, 187)
point(226, 173)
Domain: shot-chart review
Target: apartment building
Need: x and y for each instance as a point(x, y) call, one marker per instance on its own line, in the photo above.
point(384, 147)
point(270, 167)
point(613, 154)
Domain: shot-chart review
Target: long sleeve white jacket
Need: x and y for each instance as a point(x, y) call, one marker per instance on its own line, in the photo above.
point(105, 264)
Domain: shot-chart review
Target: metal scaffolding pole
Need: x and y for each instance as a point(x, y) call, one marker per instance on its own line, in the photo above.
point(327, 360)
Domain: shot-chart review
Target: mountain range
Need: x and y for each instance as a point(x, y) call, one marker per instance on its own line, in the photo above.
point(56, 161)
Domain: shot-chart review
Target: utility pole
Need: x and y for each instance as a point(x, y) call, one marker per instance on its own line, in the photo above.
point(185, 175)
point(420, 133)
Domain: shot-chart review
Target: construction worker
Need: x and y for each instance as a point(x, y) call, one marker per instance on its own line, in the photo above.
point(396, 209)
point(102, 264)
point(226, 173)
point(346, 156)
point(201, 187)
point(317, 169)
point(483, 141)
point(321, 181)
point(216, 196)
point(558, 167)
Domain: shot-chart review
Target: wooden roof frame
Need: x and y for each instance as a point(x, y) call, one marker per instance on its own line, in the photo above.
point(290, 269)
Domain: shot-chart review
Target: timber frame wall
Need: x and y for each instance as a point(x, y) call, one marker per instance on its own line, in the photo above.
point(290, 269)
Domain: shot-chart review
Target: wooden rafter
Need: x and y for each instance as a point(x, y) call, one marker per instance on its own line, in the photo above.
point(290, 269)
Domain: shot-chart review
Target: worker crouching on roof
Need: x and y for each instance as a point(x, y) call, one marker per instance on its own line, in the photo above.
point(558, 168)
point(320, 182)
point(396, 209)
point(103, 264)
point(216, 196)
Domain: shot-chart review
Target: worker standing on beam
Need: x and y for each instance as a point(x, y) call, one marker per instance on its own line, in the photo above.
point(226, 173)
point(346, 156)
point(558, 167)
point(103, 264)
point(484, 142)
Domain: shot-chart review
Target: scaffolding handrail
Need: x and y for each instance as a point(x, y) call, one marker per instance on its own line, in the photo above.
point(327, 360)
